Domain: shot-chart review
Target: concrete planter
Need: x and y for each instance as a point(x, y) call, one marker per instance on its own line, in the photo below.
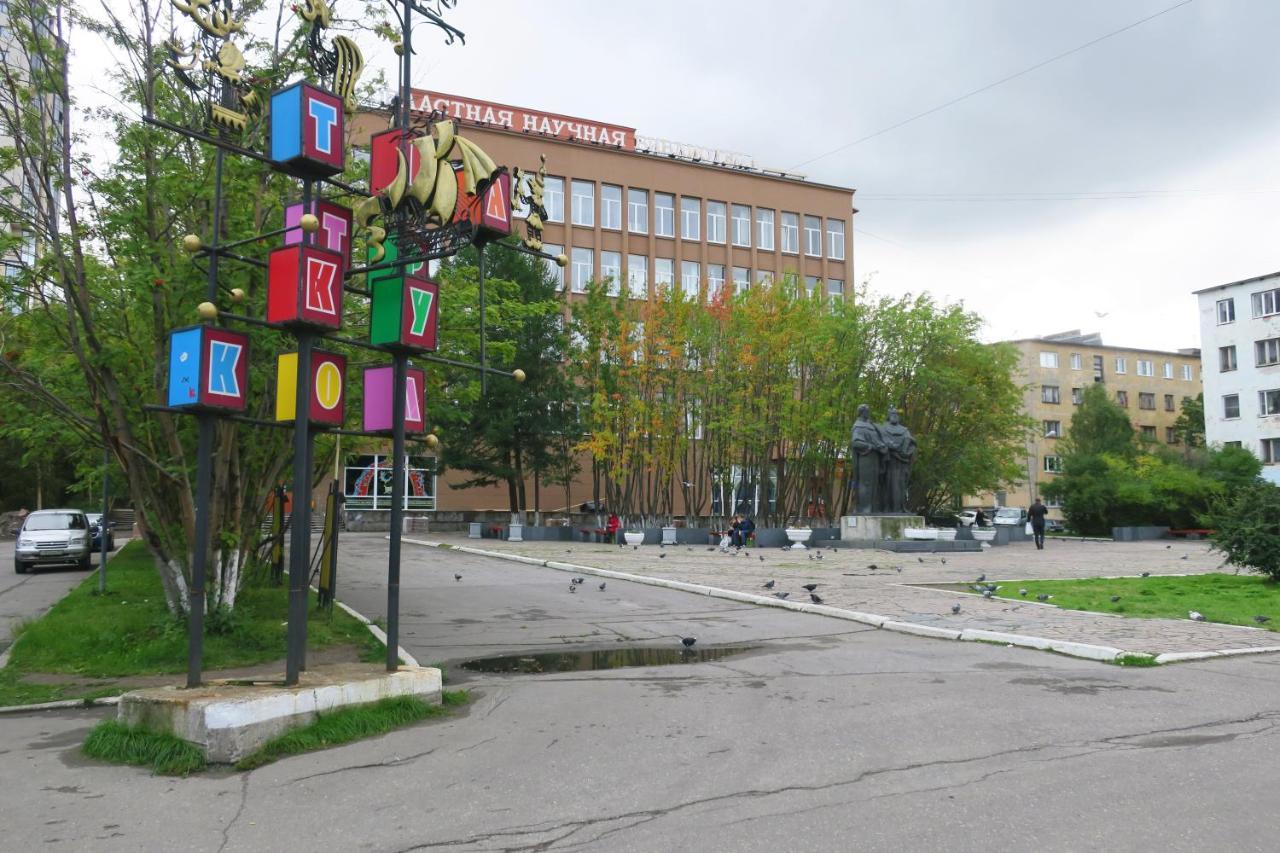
point(515, 532)
point(475, 530)
point(1139, 534)
point(983, 534)
point(920, 533)
point(798, 536)
point(669, 535)
point(634, 537)
point(945, 534)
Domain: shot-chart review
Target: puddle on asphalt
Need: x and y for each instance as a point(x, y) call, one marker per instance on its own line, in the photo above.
point(550, 662)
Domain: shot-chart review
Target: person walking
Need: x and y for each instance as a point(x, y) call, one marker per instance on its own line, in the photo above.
point(1036, 515)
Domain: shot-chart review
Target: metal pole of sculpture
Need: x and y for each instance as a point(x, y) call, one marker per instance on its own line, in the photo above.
point(900, 454)
point(868, 450)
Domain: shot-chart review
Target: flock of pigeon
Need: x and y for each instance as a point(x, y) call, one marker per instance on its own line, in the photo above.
point(808, 587)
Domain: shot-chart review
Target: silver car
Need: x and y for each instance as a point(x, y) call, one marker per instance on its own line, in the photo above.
point(51, 536)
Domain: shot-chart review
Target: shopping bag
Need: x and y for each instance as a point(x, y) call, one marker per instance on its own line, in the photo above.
point(724, 541)
point(1030, 531)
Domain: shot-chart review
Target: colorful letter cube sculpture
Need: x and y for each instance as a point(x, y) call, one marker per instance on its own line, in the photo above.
point(208, 368)
point(490, 210)
point(328, 387)
point(304, 287)
point(307, 132)
point(404, 305)
point(384, 162)
point(334, 233)
point(379, 394)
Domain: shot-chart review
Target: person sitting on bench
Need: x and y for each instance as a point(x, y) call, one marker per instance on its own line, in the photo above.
point(612, 527)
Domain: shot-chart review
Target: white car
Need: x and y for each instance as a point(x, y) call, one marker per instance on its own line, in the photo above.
point(1010, 515)
point(52, 536)
point(968, 518)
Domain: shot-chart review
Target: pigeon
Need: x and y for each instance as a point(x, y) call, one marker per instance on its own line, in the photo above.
point(712, 548)
point(986, 593)
point(809, 586)
point(981, 578)
point(1114, 599)
point(1042, 597)
point(781, 594)
point(1183, 557)
point(573, 588)
point(1195, 615)
point(457, 577)
point(1262, 620)
point(602, 583)
point(769, 584)
point(810, 556)
point(761, 557)
point(1022, 592)
point(579, 580)
point(688, 641)
point(919, 559)
point(944, 560)
point(813, 596)
point(635, 547)
point(873, 567)
point(1167, 547)
point(835, 550)
point(899, 569)
point(662, 556)
point(1146, 574)
point(819, 555)
point(955, 608)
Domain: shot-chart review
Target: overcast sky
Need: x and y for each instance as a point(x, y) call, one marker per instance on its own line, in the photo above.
point(1111, 182)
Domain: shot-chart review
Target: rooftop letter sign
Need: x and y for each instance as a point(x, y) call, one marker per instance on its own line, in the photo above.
point(208, 368)
point(328, 387)
point(379, 396)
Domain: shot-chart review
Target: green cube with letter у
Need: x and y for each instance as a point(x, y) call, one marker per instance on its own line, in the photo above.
point(405, 305)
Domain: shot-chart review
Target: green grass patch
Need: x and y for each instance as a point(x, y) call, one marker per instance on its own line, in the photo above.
point(1133, 660)
point(349, 724)
point(163, 753)
point(1230, 599)
point(129, 632)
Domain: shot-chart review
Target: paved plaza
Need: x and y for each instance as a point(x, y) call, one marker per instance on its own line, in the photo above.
point(893, 588)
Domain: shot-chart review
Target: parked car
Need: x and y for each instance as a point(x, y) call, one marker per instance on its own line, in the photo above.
point(1010, 515)
point(1053, 525)
point(96, 528)
point(968, 518)
point(50, 536)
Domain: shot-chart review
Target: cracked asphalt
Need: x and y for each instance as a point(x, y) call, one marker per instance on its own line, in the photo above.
point(826, 736)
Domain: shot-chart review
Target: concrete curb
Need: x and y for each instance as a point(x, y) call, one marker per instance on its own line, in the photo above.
point(409, 659)
point(61, 703)
point(1079, 650)
point(1175, 657)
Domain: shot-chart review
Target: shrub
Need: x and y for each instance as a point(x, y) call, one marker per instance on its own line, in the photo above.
point(1247, 525)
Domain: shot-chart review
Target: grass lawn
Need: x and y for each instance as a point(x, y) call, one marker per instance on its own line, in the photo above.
point(1231, 599)
point(129, 632)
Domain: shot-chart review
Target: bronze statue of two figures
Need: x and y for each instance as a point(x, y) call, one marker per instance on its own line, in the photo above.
point(882, 459)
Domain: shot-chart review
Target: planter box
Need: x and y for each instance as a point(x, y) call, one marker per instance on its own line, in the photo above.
point(1139, 534)
point(920, 533)
point(982, 534)
point(669, 535)
point(945, 535)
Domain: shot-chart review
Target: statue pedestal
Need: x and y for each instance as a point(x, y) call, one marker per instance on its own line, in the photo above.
point(877, 528)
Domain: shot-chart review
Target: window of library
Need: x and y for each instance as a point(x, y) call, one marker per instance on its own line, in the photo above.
point(1075, 361)
point(1187, 372)
point(1146, 367)
point(1226, 359)
point(835, 288)
point(741, 279)
point(1168, 370)
point(1148, 433)
point(1097, 368)
point(813, 236)
point(368, 485)
point(1146, 401)
point(835, 239)
point(1122, 399)
point(1122, 365)
point(637, 211)
point(690, 214)
point(611, 207)
point(1050, 394)
point(611, 271)
point(1266, 352)
point(1226, 311)
point(1053, 429)
point(556, 271)
point(1170, 435)
point(583, 269)
point(1168, 403)
point(811, 284)
point(664, 275)
point(1266, 302)
point(664, 215)
point(1231, 406)
point(553, 198)
point(764, 278)
point(638, 276)
point(791, 233)
point(1270, 450)
point(715, 221)
point(1049, 359)
point(741, 224)
point(1077, 396)
point(584, 203)
point(1269, 402)
point(1053, 464)
point(690, 278)
point(715, 280)
point(1236, 444)
point(764, 229)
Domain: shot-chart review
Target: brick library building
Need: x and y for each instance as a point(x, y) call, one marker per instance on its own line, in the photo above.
point(644, 214)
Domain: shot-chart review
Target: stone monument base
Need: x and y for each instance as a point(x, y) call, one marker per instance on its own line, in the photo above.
point(877, 528)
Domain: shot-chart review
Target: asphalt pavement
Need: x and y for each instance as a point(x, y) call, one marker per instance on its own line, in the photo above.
point(828, 735)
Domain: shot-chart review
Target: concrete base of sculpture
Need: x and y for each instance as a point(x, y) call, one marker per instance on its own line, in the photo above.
point(877, 528)
point(229, 720)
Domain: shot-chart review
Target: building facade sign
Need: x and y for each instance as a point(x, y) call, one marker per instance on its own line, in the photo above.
point(520, 119)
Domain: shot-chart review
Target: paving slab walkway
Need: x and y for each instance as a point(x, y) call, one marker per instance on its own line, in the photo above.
point(892, 590)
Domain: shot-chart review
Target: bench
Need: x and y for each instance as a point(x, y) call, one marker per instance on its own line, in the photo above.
point(602, 534)
point(748, 541)
point(1191, 533)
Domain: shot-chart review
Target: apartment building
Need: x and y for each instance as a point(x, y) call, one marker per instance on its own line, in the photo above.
point(1056, 369)
point(1240, 335)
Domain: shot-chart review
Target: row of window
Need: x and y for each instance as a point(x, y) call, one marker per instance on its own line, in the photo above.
point(1053, 464)
point(1265, 353)
point(1268, 404)
point(1264, 303)
point(582, 272)
point(1144, 366)
point(1146, 400)
point(724, 222)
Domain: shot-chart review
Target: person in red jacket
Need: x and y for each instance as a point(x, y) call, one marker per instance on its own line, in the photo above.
point(612, 527)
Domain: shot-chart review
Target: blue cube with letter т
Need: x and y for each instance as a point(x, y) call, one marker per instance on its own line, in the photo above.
point(307, 132)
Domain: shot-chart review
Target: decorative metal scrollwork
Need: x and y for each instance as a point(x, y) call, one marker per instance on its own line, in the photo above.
point(343, 62)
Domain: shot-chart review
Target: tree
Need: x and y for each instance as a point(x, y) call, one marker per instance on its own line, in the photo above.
point(1189, 427)
point(1099, 426)
point(1247, 528)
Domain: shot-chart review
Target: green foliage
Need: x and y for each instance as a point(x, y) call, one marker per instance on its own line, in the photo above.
point(165, 754)
point(1099, 426)
point(1190, 423)
point(1229, 599)
point(1247, 528)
